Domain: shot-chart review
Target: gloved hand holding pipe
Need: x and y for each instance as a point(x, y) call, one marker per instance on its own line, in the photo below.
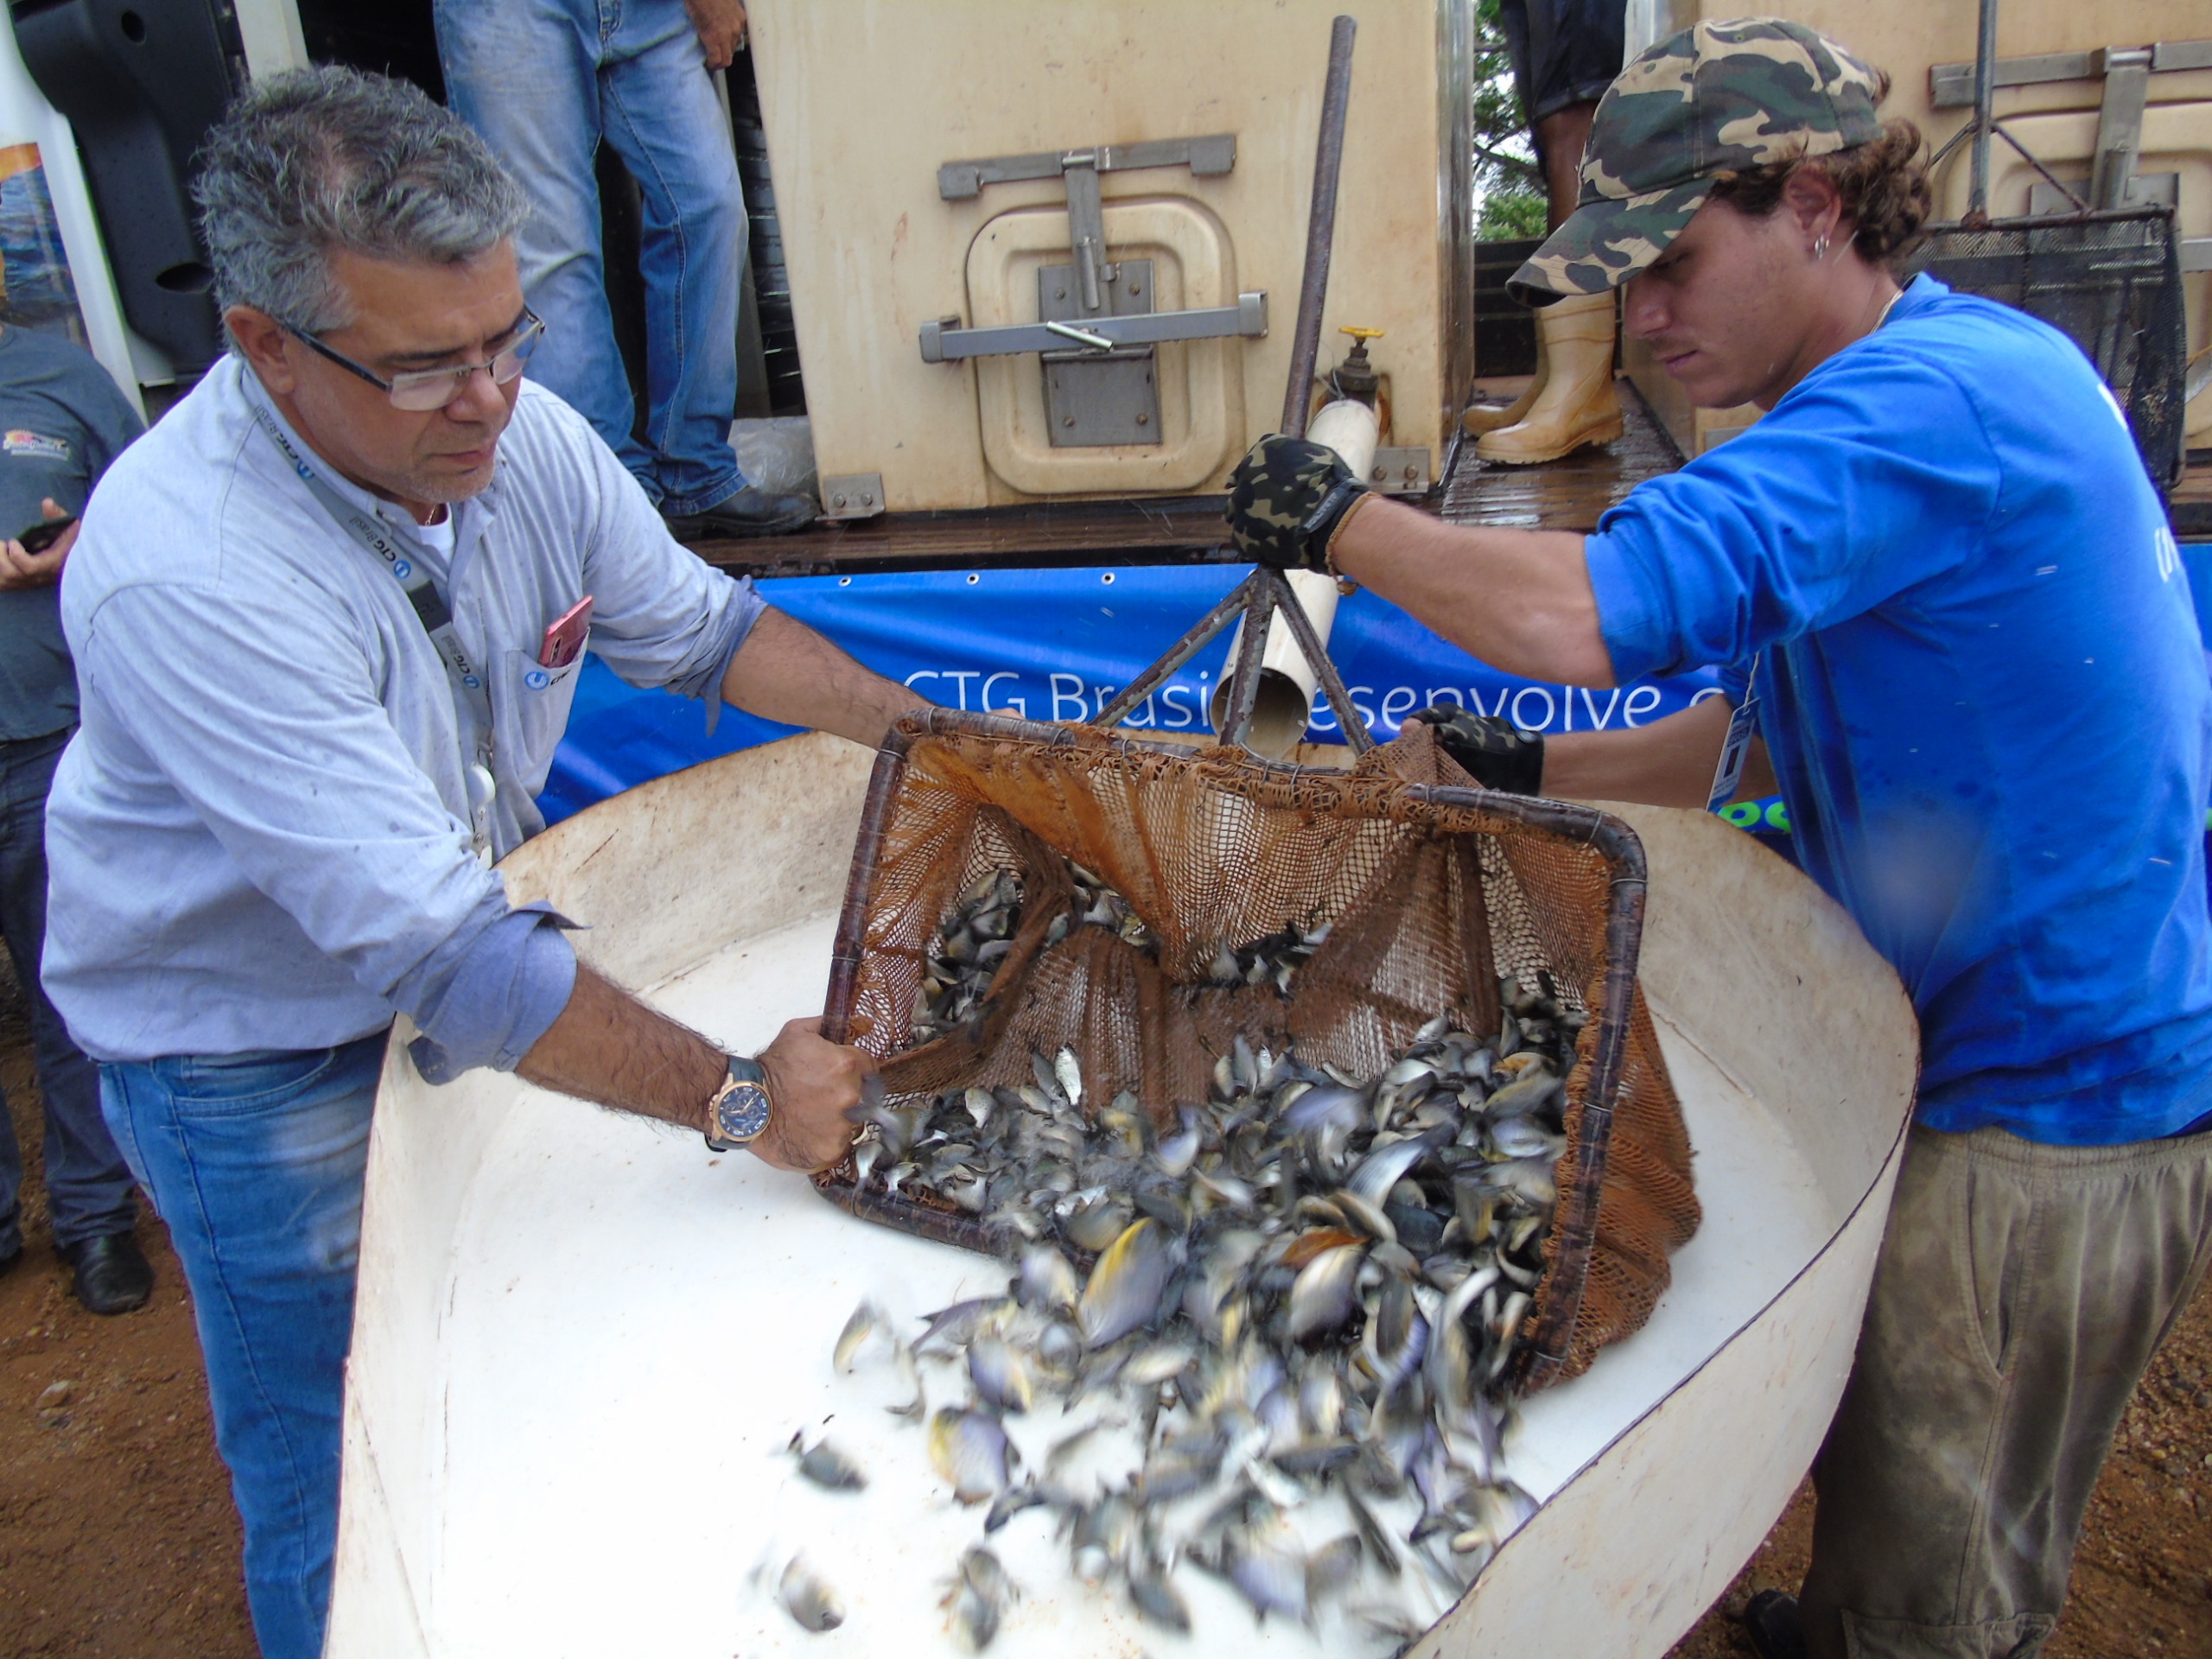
point(1274, 489)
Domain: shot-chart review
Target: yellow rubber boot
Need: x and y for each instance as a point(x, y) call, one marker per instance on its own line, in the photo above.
point(1479, 418)
point(1578, 404)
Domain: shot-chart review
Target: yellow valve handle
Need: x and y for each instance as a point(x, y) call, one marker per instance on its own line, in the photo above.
point(1363, 333)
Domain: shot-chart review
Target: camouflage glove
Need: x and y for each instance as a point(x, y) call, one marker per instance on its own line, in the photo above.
point(1285, 500)
point(1495, 752)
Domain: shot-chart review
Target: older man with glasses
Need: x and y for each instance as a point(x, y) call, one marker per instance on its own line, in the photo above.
point(328, 618)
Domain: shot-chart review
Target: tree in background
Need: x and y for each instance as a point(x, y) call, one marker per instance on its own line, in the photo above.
point(1509, 188)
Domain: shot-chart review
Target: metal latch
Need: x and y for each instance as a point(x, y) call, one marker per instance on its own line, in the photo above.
point(1096, 325)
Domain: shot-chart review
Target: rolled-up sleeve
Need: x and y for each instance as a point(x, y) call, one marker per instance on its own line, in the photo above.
point(289, 760)
point(1820, 511)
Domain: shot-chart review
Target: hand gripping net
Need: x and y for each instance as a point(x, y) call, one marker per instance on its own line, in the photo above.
point(1432, 888)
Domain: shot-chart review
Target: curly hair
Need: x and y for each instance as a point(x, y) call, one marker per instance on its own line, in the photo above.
point(1882, 184)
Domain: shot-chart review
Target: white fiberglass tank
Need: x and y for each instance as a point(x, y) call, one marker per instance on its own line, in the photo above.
point(583, 1344)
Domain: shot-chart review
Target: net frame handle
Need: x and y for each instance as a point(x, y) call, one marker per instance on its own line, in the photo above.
point(1265, 592)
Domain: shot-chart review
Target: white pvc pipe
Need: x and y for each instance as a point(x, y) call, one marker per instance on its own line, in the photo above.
point(1285, 704)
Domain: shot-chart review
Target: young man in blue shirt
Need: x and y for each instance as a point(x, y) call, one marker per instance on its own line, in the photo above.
point(1938, 562)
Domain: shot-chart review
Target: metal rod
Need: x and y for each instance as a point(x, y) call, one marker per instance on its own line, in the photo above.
point(1321, 227)
point(1985, 75)
point(2050, 178)
point(1251, 647)
point(1317, 657)
point(1179, 653)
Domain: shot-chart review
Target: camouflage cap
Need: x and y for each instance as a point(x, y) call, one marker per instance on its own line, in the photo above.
point(1718, 96)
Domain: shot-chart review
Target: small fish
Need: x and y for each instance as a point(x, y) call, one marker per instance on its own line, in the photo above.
point(1096, 1225)
point(957, 1324)
point(1157, 1364)
point(1496, 1513)
point(827, 1467)
point(1528, 1092)
point(1011, 1502)
point(1176, 1471)
point(1372, 1534)
point(1530, 1179)
point(1069, 1075)
point(1331, 1568)
point(1156, 1600)
point(1270, 1577)
point(1001, 1375)
point(1517, 1137)
point(809, 1600)
point(1047, 1281)
point(971, 1452)
point(1367, 1217)
point(867, 1322)
point(1057, 1454)
point(1382, 1170)
point(1126, 1285)
point(980, 1594)
point(1176, 1153)
point(1324, 1294)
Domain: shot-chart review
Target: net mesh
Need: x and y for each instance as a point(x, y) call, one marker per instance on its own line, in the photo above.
point(1431, 891)
point(2111, 283)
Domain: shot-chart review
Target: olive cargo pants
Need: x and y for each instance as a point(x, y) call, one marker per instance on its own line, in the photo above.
point(2020, 1293)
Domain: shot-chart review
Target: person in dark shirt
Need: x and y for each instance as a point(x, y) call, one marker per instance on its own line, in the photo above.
point(62, 420)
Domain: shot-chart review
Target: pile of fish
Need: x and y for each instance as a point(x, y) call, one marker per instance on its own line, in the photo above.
point(977, 935)
point(1286, 1363)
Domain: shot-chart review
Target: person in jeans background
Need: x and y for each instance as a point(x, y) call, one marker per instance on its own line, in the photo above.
point(62, 420)
point(544, 81)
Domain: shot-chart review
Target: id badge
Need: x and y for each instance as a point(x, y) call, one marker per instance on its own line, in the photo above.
point(1743, 727)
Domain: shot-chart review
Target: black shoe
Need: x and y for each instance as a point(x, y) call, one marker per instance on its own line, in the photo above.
point(1772, 1622)
point(113, 1273)
point(751, 512)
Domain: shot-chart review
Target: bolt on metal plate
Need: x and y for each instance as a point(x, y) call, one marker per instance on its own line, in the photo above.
point(1401, 471)
point(852, 495)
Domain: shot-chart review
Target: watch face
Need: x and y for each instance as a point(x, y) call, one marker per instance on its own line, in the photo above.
point(742, 1113)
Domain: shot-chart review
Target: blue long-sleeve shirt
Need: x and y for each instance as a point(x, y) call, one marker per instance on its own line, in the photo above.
point(1984, 691)
point(258, 838)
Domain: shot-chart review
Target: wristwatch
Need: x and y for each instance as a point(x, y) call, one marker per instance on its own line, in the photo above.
point(739, 1113)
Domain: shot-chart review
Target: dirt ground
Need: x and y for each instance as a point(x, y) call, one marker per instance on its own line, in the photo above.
point(118, 1539)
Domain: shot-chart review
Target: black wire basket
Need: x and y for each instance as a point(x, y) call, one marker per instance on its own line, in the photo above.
point(2111, 283)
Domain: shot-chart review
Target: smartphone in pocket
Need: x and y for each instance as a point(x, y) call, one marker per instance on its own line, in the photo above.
point(565, 639)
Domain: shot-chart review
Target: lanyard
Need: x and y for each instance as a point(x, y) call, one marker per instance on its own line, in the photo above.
point(405, 562)
point(1742, 726)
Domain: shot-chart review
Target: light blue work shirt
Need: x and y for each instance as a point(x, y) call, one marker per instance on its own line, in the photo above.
point(1984, 692)
point(258, 838)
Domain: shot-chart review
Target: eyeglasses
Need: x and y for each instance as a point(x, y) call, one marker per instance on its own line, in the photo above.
point(422, 390)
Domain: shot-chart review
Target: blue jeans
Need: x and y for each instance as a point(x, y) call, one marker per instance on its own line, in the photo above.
point(88, 1187)
point(543, 81)
point(254, 1161)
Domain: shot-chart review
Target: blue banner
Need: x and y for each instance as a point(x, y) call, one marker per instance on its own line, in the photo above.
point(1057, 645)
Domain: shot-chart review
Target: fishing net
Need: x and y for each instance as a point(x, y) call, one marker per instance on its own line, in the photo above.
point(2110, 281)
point(1432, 892)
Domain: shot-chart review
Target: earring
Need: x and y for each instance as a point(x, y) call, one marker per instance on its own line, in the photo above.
point(1820, 246)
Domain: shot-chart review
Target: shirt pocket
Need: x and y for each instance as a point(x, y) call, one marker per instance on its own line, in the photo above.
point(539, 699)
